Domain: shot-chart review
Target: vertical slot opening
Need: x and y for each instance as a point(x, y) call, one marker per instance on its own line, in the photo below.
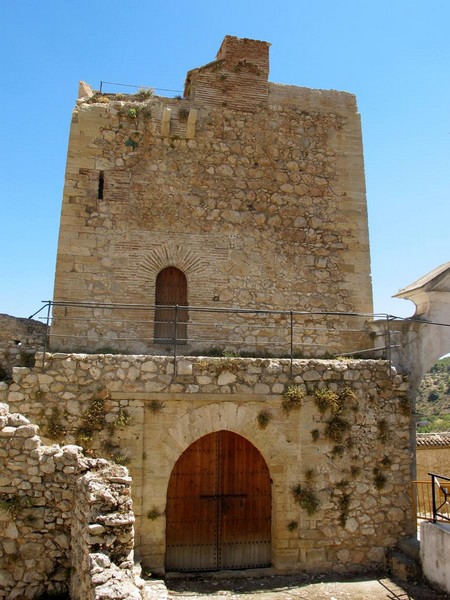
point(101, 183)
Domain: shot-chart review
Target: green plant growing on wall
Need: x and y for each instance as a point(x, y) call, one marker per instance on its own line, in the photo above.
point(344, 508)
point(405, 405)
point(336, 428)
point(386, 462)
point(349, 396)
point(123, 419)
point(26, 359)
point(183, 113)
point(3, 374)
point(263, 418)
point(146, 112)
point(309, 475)
point(121, 458)
point(145, 93)
point(292, 525)
point(153, 514)
point(84, 436)
point(337, 451)
point(228, 363)
point(355, 471)
point(315, 434)
point(132, 113)
point(383, 430)
point(55, 429)
point(38, 395)
point(327, 399)
point(379, 478)
point(293, 397)
point(129, 143)
point(306, 498)
point(14, 504)
point(93, 419)
point(155, 406)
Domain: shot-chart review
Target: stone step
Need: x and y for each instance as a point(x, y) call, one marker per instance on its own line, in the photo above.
point(411, 547)
point(154, 589)
point(403, 567)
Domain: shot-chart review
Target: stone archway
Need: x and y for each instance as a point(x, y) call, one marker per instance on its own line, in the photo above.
point(218, 513)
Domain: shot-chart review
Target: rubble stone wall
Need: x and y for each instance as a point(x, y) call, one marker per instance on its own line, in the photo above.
point(20, 339)
point(62, 516)
point(354, 457)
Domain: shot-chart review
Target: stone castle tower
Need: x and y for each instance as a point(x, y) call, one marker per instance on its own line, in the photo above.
point(235, 219)
point(243, 194)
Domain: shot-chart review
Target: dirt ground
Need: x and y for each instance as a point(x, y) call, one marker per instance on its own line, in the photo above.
point(294, 587)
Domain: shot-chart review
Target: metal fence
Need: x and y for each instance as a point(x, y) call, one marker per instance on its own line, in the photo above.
point(431, 499)
point(193, 330)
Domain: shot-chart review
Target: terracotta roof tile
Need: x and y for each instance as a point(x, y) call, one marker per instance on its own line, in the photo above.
point(433, 440)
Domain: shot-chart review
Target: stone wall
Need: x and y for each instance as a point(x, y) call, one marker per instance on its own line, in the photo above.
point(348, 444)
point(64, 517)
point(20, 339)
point(261, 207)
point(102, 539)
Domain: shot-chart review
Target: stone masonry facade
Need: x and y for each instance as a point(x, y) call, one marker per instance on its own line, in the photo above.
point(254, 190)
point(351, 451)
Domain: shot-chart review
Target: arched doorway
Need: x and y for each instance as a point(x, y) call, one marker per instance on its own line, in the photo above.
point(171, 290)
point(219, 506)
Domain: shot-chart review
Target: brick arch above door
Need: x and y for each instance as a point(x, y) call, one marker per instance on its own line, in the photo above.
point(171, 254)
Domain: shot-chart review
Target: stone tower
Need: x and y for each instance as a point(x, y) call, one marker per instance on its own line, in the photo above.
point(243, 194)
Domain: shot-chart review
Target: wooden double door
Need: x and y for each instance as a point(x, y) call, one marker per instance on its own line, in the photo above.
point(219, 506)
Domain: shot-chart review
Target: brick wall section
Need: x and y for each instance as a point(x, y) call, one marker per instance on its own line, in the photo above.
point(237, 79)
point(147, 416)
point(259, 209)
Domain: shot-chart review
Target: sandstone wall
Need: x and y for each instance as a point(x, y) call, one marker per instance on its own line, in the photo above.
point(432, 460)
point(20, 339)
point(261, 206)
point(355, 459)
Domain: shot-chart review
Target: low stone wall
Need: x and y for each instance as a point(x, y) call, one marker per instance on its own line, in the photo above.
point(20, 339)
point(62, 515)
point(346, 445)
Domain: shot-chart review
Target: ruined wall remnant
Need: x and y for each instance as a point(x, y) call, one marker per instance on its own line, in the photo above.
point(254, 191)
point(64, 518)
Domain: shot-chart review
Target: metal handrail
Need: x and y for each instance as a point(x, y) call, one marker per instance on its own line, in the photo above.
point(436, 485)
point(285, 322)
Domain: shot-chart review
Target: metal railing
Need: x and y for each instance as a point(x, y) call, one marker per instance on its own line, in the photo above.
point(440, 491)
point(431, 499)
point(172, 329)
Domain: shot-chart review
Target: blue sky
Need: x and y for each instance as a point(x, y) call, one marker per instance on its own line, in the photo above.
point(394, 55)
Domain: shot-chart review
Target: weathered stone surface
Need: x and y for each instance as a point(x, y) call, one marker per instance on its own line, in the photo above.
point(257, 197)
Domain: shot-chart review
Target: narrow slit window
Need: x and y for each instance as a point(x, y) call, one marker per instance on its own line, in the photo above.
point(101, 183)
